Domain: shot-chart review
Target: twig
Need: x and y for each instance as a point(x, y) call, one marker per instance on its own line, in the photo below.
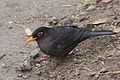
point(2, 56)
point(103, 70)
point(114, 72)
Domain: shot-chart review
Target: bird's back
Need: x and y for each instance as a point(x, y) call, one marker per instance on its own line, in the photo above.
point(60, 40)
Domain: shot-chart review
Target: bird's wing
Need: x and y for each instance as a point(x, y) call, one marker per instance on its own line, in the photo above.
point(65, 37)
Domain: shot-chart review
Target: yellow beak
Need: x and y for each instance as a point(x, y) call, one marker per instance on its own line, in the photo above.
point(30, 39)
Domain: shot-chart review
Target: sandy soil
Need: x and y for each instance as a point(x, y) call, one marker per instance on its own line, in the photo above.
point(94, 59)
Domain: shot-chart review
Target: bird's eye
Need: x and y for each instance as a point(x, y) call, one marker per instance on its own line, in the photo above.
point(39, 34)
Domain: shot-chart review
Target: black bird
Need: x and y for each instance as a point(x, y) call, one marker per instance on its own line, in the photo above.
point(59, 41)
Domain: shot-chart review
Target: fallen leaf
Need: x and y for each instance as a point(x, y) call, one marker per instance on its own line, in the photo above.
point(66, 5)
point(117, 30)
point(90, 2)
point(28, 31)
point(106, 1)
point(102, 20)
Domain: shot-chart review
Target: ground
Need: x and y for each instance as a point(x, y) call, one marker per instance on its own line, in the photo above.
point(94, 59)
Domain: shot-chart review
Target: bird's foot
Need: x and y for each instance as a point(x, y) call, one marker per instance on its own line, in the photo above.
point(61, 61)
point(53, 68)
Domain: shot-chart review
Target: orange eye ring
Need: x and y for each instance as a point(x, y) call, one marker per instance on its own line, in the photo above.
point(39, 34)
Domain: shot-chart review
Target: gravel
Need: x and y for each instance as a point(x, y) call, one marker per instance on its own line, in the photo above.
point(26, 66)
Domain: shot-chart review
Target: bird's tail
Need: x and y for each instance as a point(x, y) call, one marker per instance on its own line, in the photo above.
point(101, 32)
point(89, 34)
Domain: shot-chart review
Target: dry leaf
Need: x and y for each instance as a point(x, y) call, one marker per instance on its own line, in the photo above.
point(117, 30)
point(106, 1)
point(102, 20)
point(90, 2)
point(28, 31)
point(66, 5)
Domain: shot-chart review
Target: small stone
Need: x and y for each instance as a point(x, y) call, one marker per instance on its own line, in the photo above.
point(53, 21)
point(59, 77)
point(26, 66)
point(3, 65)
point(19, 75)
point(77, 49)
point(91, 8)
point(118, 47)
point(91, 74)
point(53, 18)
point(66, 21)
point(38, 73)
point(42, 72)
point(100, 58)
point(10, 24)
point(82, 13)
point(25, 77)
point(75, 59)
point(17, 78)
point(52, 74)
point(77, 72)
point(34, 54)
point(38, 65)
point(9, 27)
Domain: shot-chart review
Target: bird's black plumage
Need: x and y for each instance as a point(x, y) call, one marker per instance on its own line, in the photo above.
point(59, 41)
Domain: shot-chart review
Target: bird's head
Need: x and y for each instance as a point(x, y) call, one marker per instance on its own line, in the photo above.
point(37, 33)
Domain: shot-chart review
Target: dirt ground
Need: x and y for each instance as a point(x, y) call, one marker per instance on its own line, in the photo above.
point(94, 59)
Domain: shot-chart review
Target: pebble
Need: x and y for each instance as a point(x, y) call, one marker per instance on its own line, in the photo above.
point(17, 78)
point(9, 27)
point(77, 50)
point(37, 65)
point(38, 73)
point(34, 54)
point(42, 72)
point(59, 77)
point(10, 24)
point(91, 74)
point(91, 8)
point(67, 21)
point(26, 66)
point(53, 21)
point(77, 72)
point(53, 18)
point(100, 58)
point(25, 77)
point(3, 65)
point(118, 47)
point(82, 13)
point(19, 75)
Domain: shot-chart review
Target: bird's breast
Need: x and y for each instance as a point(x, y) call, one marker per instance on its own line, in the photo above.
point(45, 45)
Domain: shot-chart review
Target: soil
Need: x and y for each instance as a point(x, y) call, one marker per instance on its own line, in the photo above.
point(94, 59)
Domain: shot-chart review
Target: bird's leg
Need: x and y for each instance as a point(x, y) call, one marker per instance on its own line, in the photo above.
point(60, 62)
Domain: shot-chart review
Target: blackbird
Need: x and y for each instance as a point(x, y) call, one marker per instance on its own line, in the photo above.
point(59, 41)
